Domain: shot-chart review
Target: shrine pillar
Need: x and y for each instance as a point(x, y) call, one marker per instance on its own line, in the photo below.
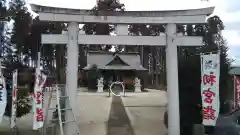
point(72, 72)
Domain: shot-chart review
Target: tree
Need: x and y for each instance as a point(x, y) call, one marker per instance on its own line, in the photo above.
point(3, 18)
point(102, 8)
point(21, 26)
point(2, 37)
point(216, 42)
point(3, 10)
point(158, 61)
point(13, 60)
point(93, 75)
point(49, 53)
point(26, 36)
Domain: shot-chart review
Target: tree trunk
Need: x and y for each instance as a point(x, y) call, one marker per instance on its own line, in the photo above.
point(60, 64)
point(157, 66)
point(82, 57)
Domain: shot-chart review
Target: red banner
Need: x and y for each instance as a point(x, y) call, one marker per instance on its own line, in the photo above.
point(237, 92)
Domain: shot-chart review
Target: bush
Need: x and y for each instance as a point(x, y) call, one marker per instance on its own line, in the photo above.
point(23, 103)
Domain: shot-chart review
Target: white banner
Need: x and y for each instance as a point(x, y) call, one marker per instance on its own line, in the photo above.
point(14, 98)
point(210, 72)
point(40, 80)
point(3, 95)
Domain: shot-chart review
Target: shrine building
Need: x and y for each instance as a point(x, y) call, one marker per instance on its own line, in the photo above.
point(122, 66)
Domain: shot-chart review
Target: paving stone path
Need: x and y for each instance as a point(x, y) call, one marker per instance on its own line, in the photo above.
point(118, 123)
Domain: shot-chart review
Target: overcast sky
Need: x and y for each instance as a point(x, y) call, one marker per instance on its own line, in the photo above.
point(228, 10)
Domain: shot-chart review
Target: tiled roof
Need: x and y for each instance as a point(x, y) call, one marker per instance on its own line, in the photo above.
point(102, 59)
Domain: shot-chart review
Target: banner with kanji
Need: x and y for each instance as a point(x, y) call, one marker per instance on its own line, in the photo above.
point(14, 98)
point(40, 79)
point(210, 72)
point(3, 95)
point(236, 92)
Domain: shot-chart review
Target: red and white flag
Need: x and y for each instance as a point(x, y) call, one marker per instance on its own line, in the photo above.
point(14, 98)
point(3, 95)
point(40, 80)
point(236, 92)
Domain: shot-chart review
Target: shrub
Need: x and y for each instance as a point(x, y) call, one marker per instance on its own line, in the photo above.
point(23, 103)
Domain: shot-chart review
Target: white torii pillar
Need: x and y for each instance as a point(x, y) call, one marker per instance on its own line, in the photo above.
point(172, 81)
point(72, 73)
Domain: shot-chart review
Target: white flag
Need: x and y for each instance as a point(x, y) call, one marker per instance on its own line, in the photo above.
point(3, 96)
point(210, 72)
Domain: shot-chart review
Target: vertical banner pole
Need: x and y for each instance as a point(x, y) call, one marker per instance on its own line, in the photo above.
point(14, 101)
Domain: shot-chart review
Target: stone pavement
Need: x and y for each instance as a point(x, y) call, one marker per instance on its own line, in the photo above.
point(94, 111)
point(143, 110)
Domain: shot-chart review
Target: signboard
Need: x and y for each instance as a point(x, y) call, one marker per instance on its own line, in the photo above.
point(38, 100)
point(210, 72)
point(3, 95)
point(14, 98)
point(236, 92)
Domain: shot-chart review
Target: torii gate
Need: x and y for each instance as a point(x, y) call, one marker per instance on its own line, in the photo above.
point(171, 40)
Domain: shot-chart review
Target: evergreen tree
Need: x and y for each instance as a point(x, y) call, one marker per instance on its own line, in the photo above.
point(3, 10)
point(22, 19)
point(3, 18)
point(102, 8)
point(21, 26)
point(49, 53)
point(26, 37)
point(158, 53)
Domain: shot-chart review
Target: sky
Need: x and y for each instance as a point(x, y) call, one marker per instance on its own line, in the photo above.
point(227, 10)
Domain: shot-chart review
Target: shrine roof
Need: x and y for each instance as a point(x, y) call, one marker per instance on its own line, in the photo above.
point(234, 71)
point(129, 61)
